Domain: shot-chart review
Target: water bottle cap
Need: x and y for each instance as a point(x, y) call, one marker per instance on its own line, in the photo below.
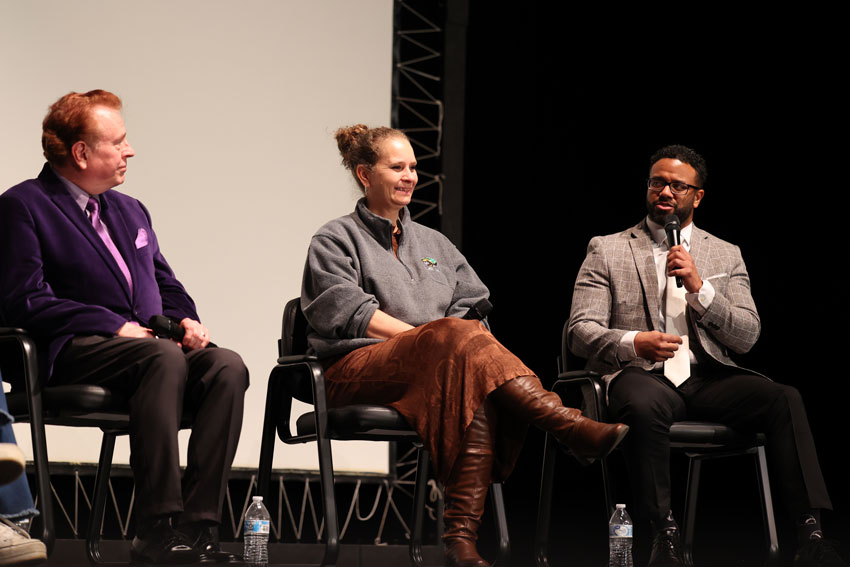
point(260, 499)
point(618, 505)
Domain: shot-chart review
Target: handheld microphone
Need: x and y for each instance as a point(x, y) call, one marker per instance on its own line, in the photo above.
point(169, 328)
point(166, 327)
point(481, 309)
point(674, 236)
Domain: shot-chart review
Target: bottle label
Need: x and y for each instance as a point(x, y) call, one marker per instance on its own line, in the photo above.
point(256, 527)
point(619, 530)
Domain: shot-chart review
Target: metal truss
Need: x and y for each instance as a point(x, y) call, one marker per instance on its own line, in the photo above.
point(417, 98)
point(376, 503)
point(382, 507)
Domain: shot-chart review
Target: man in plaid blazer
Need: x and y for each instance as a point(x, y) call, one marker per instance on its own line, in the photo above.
point(617, 323)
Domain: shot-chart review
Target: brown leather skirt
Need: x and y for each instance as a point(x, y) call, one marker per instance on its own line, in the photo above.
point(436, 376)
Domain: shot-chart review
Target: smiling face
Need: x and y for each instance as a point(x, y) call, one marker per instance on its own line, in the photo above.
point(102, 161)
point(661, 204)
point(389, 183)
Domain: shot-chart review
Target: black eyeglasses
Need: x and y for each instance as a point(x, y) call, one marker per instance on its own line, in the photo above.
point(657, 185)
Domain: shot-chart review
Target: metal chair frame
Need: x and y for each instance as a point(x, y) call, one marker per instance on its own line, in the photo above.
point(75, 406)
point(698, 440)
point(301, 376)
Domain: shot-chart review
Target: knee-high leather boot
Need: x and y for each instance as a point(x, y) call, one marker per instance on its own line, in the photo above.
point(466, 493)
point(587, 439)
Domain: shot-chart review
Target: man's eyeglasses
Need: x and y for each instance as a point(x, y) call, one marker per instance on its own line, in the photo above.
point(657, 185)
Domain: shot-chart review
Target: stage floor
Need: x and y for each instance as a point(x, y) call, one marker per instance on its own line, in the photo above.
point(73, 553)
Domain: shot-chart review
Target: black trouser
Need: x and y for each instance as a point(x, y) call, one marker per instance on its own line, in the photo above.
point(649, 404)
point(161, 381)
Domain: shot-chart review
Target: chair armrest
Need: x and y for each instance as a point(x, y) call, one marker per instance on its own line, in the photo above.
point(28, 363)
point(11, 331)
point(584, 389)
point(585, 374)
point(298, 377)
point(297, 358)
point(279, 400)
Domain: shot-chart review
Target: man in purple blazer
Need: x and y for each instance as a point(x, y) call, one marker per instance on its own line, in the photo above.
point(82, 271)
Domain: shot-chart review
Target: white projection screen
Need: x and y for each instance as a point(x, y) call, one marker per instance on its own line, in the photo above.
point(231, 108)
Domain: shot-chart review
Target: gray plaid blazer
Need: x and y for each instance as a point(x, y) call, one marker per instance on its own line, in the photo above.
point(616, 291)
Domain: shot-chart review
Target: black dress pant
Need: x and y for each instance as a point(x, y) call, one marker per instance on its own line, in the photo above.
point(161, 381)
point(650, 404)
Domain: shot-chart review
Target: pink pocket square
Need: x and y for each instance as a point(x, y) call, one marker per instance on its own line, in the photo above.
point(141, 238)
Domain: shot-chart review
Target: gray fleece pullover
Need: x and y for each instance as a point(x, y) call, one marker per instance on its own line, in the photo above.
point(351, 271)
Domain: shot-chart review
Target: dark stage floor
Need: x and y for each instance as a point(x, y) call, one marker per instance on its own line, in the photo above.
point(729, 528)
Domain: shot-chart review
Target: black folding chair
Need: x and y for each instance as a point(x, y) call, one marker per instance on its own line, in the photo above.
point(78, 405)
point(300, 376)
point(698, 440)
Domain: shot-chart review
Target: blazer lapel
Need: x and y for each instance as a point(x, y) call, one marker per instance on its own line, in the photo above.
point(641, 244)
point(65, 203)
point(697, 252)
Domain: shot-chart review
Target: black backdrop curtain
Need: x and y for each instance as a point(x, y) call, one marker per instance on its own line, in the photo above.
point(563, 114)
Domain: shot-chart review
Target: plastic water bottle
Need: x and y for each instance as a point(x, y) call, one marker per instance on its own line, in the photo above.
point(257, 523)
point(620, 538)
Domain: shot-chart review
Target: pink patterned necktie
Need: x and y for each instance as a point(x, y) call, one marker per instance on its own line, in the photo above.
point(93, 208)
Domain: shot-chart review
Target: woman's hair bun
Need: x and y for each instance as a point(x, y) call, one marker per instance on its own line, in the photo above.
point(358, 145)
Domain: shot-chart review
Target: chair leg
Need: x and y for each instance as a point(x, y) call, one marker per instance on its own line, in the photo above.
point(42, 475)
point(544, 507)
point(101, 488)
point(691, 493)
point(767, 509)
point(326, 475)
point(607, 489)
point(498, 501)
point(43, 524)
point(267, 441)
point(419, 490)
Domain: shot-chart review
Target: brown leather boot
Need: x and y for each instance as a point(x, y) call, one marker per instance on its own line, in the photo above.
point(587, 439)
point(466, 492)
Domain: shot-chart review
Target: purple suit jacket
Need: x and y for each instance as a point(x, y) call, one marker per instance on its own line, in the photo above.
point(58, 279)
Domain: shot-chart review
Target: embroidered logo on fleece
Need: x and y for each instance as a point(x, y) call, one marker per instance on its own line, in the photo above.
point(430, 263)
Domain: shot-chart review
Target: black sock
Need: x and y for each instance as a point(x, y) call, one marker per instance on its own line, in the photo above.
point(668, 523)
point(192, 529)
point(145, 526)
point(809, 527)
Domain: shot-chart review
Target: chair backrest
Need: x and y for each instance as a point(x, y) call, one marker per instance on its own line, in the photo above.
point(293, 334)
point(565, 351)
point(293, 342)
point(568, 360)
point(592, 399)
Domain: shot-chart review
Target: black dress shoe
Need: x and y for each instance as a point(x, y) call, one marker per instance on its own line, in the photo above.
point(818, 553)
point(205, 541)
point(666, 551)
point(162, 545)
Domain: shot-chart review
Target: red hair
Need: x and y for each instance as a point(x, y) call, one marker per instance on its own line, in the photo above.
point(69, 120)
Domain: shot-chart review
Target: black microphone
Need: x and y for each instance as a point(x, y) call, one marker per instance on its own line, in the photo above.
point(169, 328)
point(481, 309)
point(166, 327)
point(674, 236)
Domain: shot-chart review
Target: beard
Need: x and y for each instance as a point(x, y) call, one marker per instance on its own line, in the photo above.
point(682, 211)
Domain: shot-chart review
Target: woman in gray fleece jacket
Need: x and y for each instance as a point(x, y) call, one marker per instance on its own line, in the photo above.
point(384, 297)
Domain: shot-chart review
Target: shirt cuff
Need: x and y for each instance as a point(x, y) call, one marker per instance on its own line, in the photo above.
point(701, 300)
point(626, 350)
